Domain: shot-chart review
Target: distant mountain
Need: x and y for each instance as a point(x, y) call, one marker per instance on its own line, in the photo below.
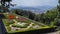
point(39, 9)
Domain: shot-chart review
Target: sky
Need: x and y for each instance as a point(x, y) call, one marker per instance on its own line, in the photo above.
point(35, 3)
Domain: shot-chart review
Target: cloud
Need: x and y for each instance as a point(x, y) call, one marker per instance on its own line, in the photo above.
point(35, 2)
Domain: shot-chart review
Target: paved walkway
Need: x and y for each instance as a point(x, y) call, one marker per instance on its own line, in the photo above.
point(57, 32)
point(2, 27)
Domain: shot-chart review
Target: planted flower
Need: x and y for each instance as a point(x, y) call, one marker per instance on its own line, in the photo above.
point(11, 16)
point(21, 19)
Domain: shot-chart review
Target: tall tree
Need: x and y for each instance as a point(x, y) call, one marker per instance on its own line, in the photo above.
point(58, 19)
point(5, 4)
point(58, 9)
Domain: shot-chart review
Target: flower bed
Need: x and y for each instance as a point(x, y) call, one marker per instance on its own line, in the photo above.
point(21, 24)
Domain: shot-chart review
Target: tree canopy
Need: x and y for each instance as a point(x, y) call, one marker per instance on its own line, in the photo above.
point(3, 3)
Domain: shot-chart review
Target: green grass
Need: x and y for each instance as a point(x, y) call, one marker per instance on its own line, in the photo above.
point(30, 29)
point(18, 26)
point(6, 25)
point(5, 22)
point(26, 21)
point(9, 29)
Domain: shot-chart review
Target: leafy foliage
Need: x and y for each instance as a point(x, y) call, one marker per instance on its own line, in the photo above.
point(3, 3)
point(46, 18)
point(24, 13)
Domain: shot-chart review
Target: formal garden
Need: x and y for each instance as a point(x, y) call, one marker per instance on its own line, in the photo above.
point(14, 23)
point(19, 20)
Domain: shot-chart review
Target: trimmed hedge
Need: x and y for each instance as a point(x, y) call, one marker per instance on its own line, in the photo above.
point(18, 26)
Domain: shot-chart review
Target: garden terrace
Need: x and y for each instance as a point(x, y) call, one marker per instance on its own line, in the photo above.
point(21, 24)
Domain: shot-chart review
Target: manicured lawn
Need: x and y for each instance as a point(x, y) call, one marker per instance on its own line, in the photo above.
point(9, 29)
point(22, 25)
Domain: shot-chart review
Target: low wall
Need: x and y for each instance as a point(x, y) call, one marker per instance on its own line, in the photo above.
point(40, 31)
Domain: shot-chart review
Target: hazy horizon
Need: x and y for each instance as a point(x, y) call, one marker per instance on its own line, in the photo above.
point(34, 3)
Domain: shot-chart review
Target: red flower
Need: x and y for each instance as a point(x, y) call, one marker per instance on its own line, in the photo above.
point(11, 16)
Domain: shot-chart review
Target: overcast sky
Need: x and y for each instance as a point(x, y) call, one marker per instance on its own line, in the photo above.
point(34, 3)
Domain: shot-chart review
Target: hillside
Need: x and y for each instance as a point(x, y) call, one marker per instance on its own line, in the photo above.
point(39, 9)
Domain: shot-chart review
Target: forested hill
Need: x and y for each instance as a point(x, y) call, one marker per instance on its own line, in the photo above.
point(47, 18)
point(39, 9)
